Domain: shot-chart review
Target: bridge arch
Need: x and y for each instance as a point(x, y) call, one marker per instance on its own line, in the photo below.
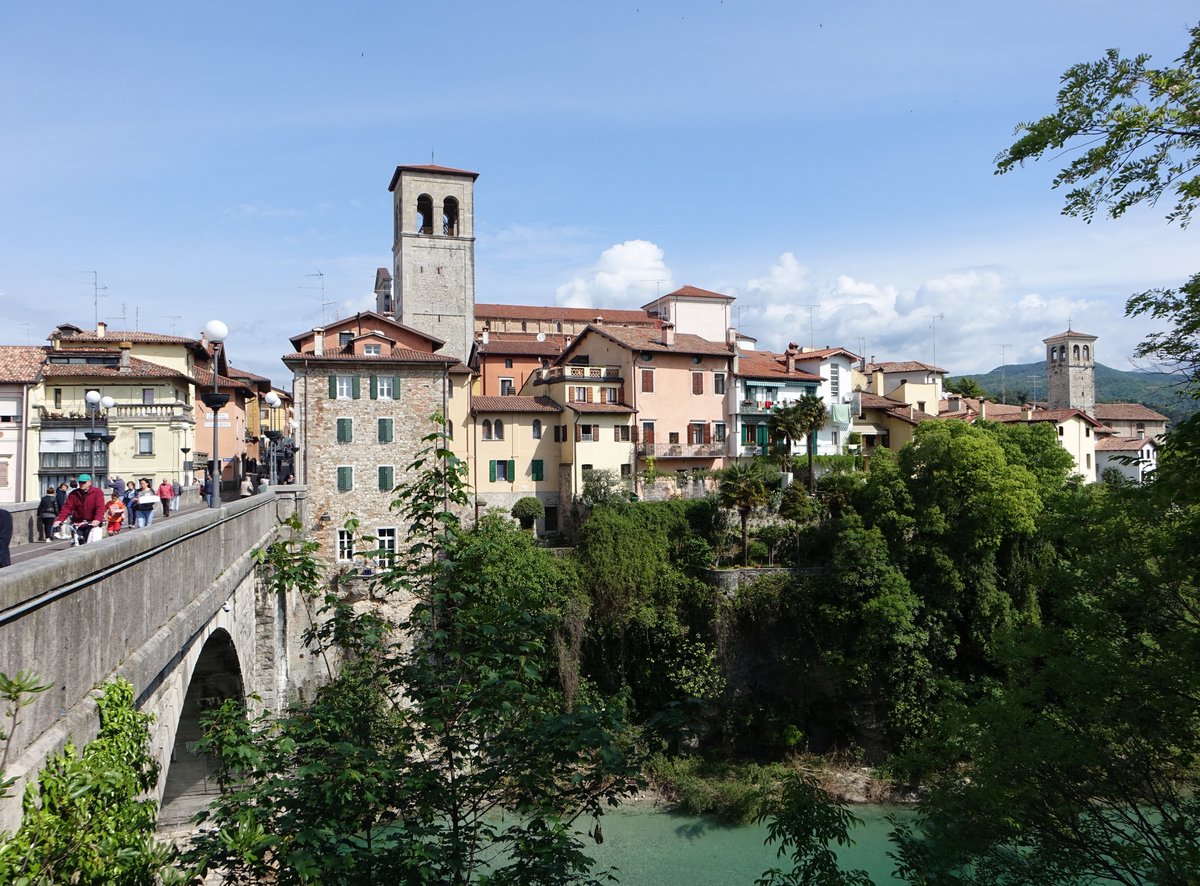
point(189, 783)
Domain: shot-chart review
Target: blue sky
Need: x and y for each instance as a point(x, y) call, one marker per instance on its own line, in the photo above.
point(206, 160)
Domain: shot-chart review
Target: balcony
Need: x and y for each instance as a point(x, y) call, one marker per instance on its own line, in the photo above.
point(566, 373)
point(150, 412)
point(681, 450)
point(756, 407)
point(73, 462)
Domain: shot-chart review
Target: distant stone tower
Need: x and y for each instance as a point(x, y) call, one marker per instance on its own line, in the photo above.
point(434, 253)
point(1071, 371)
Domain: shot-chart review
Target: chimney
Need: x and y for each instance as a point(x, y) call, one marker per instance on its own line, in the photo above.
point(668, 331)
point(126, 365)
point(318, 341)
point(1027, 412)
point(789, 357)
point(983, 409)
point(101, 328)
point(487, 335)
point(953, 404)
point(731, 335)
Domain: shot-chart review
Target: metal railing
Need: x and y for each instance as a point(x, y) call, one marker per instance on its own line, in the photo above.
point(73, 462)
point(682, 450)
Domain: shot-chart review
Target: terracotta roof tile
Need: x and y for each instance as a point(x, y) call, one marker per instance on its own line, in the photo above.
point(113, 337)
point(594, 408)
point(20, 363)
point(526, 344)
point(1123, 444)
point(396, 355)
point(1127, 412)
point(650, 340)
point(513, 404)
point(137, 368)
point(764, 364)
point(1054, 415)
point(560, 312)
point(692, 292)
point(904, 366)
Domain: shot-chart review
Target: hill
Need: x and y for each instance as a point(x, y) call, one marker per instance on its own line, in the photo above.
point(1158, 390)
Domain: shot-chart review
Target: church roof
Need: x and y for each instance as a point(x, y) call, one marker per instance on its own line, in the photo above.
point(438, 170)
point(1070, 333)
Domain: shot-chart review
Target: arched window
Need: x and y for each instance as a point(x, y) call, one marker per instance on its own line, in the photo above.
point(1087, 352)
point(424, 214)
point(450, 217)
point(1075, 352)
point(1054, 354)
point(558, 326)
point(499, 429)
point(537, 429)
point(487, 429)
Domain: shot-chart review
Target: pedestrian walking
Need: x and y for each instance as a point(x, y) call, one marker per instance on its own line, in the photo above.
point(60, 496)
point(85, 508)
point(143, 508)
point(166, 494)
point(129, 499)
point(6, 529)
point(116, 484)
point(247, 487)
point(114, 514)
point(177, 489)
point(48, 508)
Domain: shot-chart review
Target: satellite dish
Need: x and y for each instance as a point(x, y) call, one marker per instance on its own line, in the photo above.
point(541, 336)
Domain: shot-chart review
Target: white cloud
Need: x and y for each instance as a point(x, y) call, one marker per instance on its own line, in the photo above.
point(627, 275)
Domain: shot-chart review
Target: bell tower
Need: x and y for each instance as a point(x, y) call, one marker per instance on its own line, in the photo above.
point(433, 253)
point(1071, 371)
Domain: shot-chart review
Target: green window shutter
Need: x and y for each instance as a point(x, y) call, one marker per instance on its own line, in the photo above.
point(355, 390)
point(374, 388)
point(345, 479)
point(385, 430)
point(386, 478)
point(345, 430)
point(395, 387)
point(537, 469)
point(492, 470)
point(512, 470)
point(333, 387)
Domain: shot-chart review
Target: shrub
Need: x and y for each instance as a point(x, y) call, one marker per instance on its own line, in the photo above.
point(528, 511)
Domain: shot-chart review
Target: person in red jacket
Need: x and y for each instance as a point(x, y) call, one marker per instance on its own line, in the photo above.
point(84, 505)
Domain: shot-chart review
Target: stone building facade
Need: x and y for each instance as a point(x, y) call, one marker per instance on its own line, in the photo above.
point(1071, 371)
point(364, 405)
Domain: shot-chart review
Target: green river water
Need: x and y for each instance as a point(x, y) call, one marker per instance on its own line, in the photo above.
point(652, 847)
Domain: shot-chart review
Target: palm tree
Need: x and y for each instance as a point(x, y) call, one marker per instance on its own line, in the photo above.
point(813, 415)
point(744, 488)
point(787, 424)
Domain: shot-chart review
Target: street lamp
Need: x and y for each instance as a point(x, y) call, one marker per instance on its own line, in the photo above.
point(215, 331)
point(94, 402)
point(273, 437)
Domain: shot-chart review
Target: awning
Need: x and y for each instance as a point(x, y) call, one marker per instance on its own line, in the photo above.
point(868, 430)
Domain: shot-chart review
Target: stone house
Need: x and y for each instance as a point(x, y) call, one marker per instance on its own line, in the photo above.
point(365, 390)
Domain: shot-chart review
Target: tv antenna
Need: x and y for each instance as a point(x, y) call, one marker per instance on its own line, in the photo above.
point(324, 304)
point(811, 308)
point(96, 290)
point(933, 318)
point(1003, 362)
point(27, 327)
point(173, 318)
point(657, 287)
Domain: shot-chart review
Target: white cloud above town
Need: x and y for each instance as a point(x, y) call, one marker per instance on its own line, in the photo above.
point(620, 278)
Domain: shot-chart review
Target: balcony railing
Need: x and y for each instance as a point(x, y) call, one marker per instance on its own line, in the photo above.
point(681, 450)
point(756, 407)
point(73, 462)
point(149, 412)
point(554, 373)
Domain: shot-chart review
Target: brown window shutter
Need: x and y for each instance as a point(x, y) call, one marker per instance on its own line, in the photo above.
point(707, 433)
point(635, 434)
point(578, 433)
point(596, 433)
point(570, 394)
point(616, 433)
point(697, 383)
point(587, 395)
point(647, 381)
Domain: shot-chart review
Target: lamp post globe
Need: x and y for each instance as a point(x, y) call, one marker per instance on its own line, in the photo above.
point(216, 331)
point(107, 403)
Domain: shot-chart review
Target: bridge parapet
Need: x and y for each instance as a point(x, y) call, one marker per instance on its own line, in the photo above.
point(129, 605)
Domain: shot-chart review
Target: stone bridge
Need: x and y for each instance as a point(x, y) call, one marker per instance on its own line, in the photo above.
point(178, 610)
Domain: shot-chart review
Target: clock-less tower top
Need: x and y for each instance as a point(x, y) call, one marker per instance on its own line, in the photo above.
point(1071, 371)
point(433, 251)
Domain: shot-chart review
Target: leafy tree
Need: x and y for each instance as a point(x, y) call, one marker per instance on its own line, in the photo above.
point(966, 386)
point(528, 510)
point(445, 751)
point(86, 820)
point(813, 416)
point(788, 424)
point(600, 487)
point(744, 488)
